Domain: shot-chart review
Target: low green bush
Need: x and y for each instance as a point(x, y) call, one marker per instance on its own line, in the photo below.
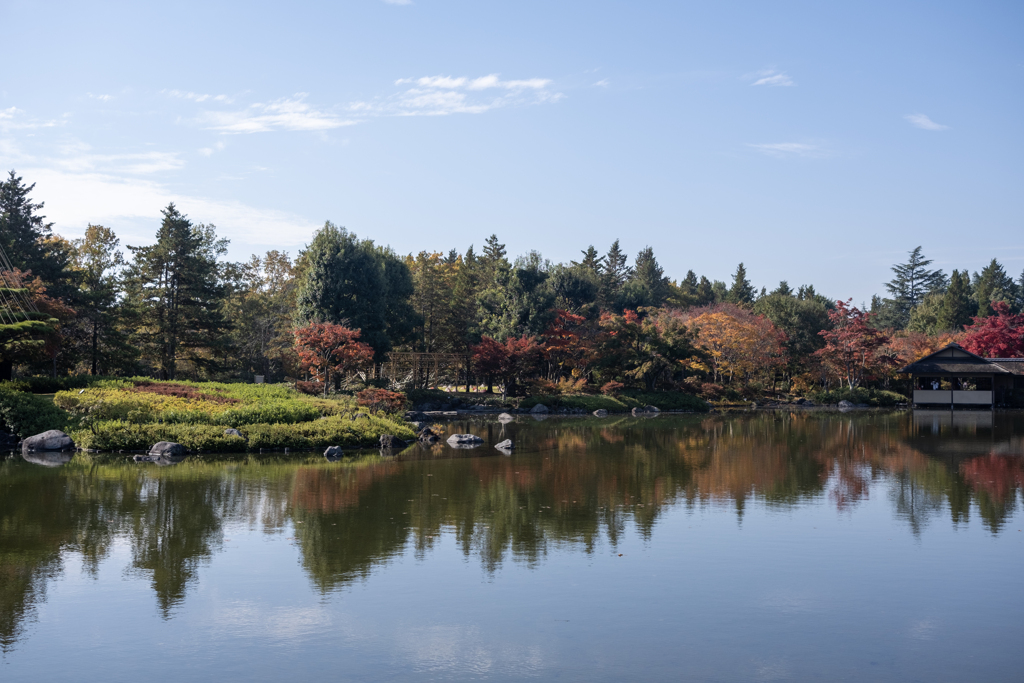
point(114, 435)
point(332, 431)
point(51, 385)
point(26, 414)
point(877, 398)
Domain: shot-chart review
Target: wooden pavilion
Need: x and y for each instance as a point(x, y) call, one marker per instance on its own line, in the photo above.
point(955, 378)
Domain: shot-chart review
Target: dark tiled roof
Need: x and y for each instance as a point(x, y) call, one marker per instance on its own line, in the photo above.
point(1012, 365)
point(946, 366)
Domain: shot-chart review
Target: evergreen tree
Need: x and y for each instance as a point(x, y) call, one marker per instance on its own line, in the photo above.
point(591, 260)
point(614, 274)
point(176, 291)
point(741, 293)
point(576, 288)
point(993, 284)
point(519, 302)
point(27, 238)
point(783, 289)
point(705, 292)
point(351, 282)
point(957, 307)
point(647, 284)
point(912, 282)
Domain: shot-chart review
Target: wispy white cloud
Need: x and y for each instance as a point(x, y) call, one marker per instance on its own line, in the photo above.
point(788, 149)
point(443, 95)
point(101, 98)
point(603, 83)
point(290, 113)
point(773, 78)
point(398, 2)
point(197, 97)
point(131, 205)
point(13, 118)
point(923, 122)
point(208, 151)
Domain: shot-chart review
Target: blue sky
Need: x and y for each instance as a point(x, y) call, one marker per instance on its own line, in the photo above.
point(816, 142)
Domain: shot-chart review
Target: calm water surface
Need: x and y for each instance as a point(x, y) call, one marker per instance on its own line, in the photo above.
point(755, 547)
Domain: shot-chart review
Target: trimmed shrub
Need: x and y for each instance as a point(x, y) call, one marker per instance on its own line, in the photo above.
point(662, 400)
point(26, 414)
point(113, 435)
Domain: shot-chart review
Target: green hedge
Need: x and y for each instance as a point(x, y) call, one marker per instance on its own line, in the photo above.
point(25, 414)
point(875, 398)
point(113, 435)
point(51, 385)
point(618, 404)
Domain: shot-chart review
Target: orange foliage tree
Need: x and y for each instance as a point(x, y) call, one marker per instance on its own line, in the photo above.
point(996, 336)
point(739, 342)
point(327, 350)
point(569, 345)
point(649, 345)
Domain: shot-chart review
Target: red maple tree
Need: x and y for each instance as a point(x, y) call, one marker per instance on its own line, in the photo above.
point(328, 350)
point(851, 346)
point(507, 362)
point(1000, 335)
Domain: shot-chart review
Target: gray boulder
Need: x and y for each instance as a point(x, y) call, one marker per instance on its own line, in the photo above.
point(505, 446)
point(47, 458)
point(505, 418)
point(53, 440)
point(333, 453)
point(845, 404)
point(168, 449)
point(600, 412)
point(539, 409)
point(389, 441)
point(651, 409)
point(233, 432)
point(464, 440)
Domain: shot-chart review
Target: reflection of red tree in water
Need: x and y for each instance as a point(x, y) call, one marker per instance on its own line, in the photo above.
point(997, 475)
point(331, 490)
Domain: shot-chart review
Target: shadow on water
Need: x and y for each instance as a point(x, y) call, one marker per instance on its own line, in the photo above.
point(570, 482)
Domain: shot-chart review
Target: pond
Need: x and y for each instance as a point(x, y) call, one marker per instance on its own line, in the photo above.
point(763, 546)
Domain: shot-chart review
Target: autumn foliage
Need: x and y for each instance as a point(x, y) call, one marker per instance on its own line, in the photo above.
point(996, 336)
point(852, 346)
point(328, 351)
point(381, 400)
point(510, 361)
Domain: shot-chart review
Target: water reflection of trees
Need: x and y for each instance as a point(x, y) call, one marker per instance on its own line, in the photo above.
point(571, 483)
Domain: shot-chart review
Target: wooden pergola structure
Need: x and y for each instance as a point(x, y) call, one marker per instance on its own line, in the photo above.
point(427, 369)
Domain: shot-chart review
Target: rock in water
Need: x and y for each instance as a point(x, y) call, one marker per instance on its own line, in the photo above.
point(505, 446)
point(464, 440)
point(845, 404)
point(332, 453)
point(168, 449)
point(539, 409)
point(160, 460)
point(600, 412)
point(651, 409)
point(505, 418)
point(391, 441)
point(53, 440)
point(233, 432)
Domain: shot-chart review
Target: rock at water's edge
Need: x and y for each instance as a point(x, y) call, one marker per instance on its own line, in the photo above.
point(464, 440)
point(539, 409)
point(168, 449)
point(506, 418)
point(233, 432)
point(333, 452)
point(505, 446)
point(53, 440)
point(845, 404)
point(391, 441)
point(600, 412)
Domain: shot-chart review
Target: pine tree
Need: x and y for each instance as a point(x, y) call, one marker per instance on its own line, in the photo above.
point(647, 284)
point(176, 291)
point(741, 293)
point(614, 273)
point(993, 284)
point(591, 260)
point(912, 283)
point(956, 307)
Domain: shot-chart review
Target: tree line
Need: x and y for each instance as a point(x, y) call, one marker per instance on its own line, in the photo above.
point(177, 309)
